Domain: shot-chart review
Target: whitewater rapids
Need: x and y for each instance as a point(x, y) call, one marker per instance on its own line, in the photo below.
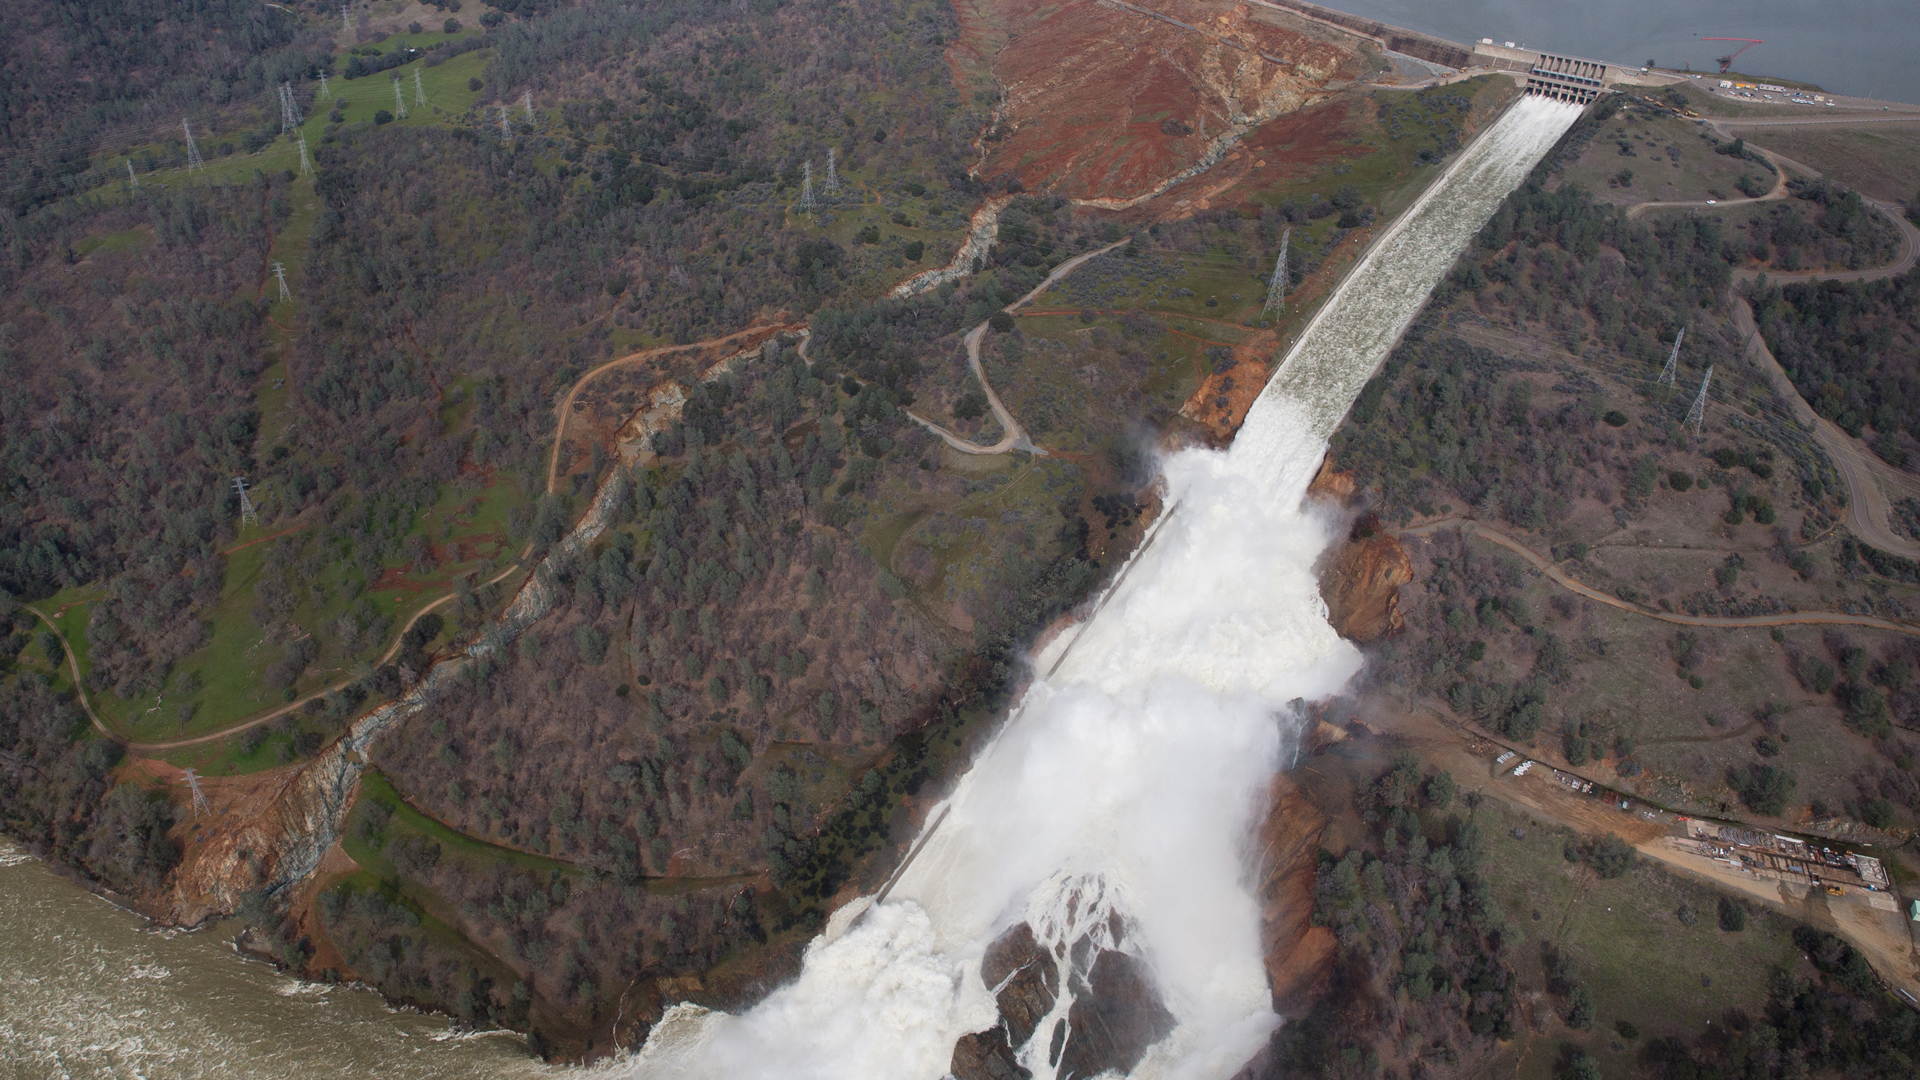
point(1128, 781)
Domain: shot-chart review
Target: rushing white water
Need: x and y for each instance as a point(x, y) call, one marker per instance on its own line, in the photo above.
point(1125, 785)
point(1127, 782)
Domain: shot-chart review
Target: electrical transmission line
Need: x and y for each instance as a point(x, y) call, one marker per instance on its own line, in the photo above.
point(289, 112)
point(194, 161)
point(248, 515)
point(1668, 373)
point(345, 19)
point(806, 188)
point(399, 100)
point(280, 275)
point(199, 800)
point(305, 166)
point(833, 174)
point(506, 125)
point(133, 182)
point(1277, 287)
point(527, 102)
point(1697, 415)
point(419, 89)
point(324, 92)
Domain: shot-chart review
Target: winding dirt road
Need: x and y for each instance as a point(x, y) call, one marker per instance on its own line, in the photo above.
point(1015, 437)
point(1868, 478)
point(1560, 578)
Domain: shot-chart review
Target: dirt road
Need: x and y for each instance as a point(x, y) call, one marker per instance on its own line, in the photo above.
point(1560, 578)
point(1015, 436)
point(1868, 478)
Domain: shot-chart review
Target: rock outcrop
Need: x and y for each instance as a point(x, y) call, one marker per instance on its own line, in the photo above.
point(1114, 1017)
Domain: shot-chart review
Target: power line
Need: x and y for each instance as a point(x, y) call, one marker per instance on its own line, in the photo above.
point(1667, 375)
point(248, 515)
point(194, 160)
point(1277, 288)
point(1697, 414)
point(280, 275)
point(419, 89)
point(399, 100)
point(199, 799)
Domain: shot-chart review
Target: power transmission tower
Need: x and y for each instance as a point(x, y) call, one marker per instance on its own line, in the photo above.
point(506, 125)
point(419, 89)
point(806, 188)
point(194, 160)
point(399, 100)
point(305, 166)
point(199, 799)
point(527, 103)
point(248, 515)
point(280, 274)
point(1277, 287)
point(133, 182)
point(345, 19)
point(833, 174)
point(1667, 374)
point(324, 92)
point(289, 112)
point(1697, 415)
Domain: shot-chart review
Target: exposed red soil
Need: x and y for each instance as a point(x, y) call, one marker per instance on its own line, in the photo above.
point(1105, 102)
point(1298, 954)
point(1219, 405)
point(1361, 580)
point(214, 842)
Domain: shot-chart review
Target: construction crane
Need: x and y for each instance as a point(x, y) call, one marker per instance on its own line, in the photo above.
point(1727, 60)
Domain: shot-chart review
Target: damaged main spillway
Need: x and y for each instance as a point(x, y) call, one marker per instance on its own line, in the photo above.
point(1110, 816)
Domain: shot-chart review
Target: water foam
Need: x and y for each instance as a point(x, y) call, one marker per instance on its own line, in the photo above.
point(1127, 782)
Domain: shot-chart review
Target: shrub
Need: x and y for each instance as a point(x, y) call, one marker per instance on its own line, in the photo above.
point(452, 26)
point(1877, 813)
point(1001, 322)
point(1767, 746)
point(1615, 418)
point(474, 84)
point(915, 250)
point(382, 116)
point(1680, 481)
point(1612, 857)
point(1764, 788)
point(1733, 917)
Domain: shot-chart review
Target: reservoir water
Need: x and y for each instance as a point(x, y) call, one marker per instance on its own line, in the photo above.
point(1112, 808)
point(1860, 47)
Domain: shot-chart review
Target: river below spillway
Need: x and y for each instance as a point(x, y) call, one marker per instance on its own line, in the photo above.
point(89, 991)
point(1109, 814)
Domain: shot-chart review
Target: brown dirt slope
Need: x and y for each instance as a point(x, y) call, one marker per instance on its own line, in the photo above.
point(1110, 102)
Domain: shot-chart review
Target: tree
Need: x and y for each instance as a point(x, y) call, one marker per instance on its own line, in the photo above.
point(1612, 857)
point(1764, 788)
point(592, 643)
point(1733, 917)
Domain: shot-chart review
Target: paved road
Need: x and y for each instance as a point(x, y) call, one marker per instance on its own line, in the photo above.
point(1559, 577)
point(1015, 437)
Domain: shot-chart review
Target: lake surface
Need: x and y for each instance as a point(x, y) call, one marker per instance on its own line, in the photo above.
point(1866, 47)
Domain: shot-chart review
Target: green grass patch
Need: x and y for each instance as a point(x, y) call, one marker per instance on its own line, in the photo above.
point(138, 238)
point(406, 821)
point(1627, 940)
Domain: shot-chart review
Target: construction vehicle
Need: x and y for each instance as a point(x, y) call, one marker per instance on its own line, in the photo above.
point(1835, 890)
point(1727, 60)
